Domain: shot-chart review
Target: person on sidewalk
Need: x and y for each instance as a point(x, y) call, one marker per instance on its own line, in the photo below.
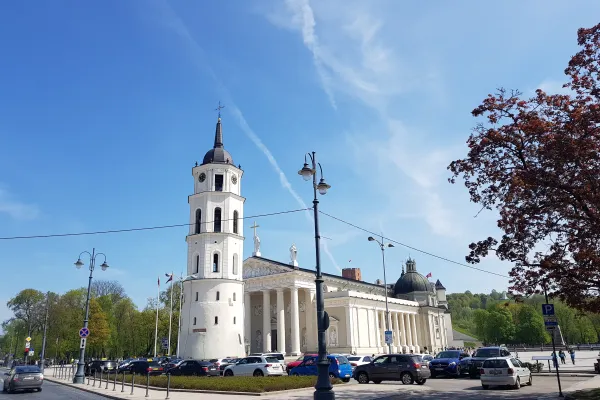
point(554, 359)
point(562, 356)
point(572, 352)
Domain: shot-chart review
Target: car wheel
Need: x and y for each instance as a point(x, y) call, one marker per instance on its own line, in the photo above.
point(485, 387)
point(228, 373)
point(458, 372)
point(472, 376)
point(530, 383)
point(258, 372)
point(363, 378)
point(4, 389)
point(346, 380)
point(433, 375)
point(39, 389)
point(421, 381)
point(295, 374)
point(331, 376)
point(407, 378)
point(517, 383)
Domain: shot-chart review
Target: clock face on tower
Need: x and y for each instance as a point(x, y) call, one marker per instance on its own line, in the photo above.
point(233, 179)
point(202, 177)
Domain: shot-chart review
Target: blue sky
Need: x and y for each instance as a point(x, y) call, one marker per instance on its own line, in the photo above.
point(106, 105)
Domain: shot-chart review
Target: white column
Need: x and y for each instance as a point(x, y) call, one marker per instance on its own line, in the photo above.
point(402, 332)
point(413, 323)
point(266, 320)
point(311, 320)
point(409, 338)
point(395, 330)
point(295, 321)
point(349, 329)
point(358, 342)
point(370, 328)
point(431, 333)
point(377, 332)
point(280, 322)
point(443, 331)
point(247, 321)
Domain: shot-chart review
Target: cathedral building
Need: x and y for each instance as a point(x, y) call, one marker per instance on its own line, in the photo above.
point(263, 305)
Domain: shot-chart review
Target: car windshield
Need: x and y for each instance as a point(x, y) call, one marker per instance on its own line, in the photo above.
point(272, 359)
point(354, 358)
point(28, 370)
point(495, 364)
point(448, 354)
point(342, 360)
point(487, 353)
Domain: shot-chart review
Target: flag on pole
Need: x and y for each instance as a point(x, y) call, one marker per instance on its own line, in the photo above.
point(428, 275)
point(170, 276)
point(159, 281)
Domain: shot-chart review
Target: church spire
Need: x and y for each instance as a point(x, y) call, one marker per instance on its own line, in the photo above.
point(218, 135)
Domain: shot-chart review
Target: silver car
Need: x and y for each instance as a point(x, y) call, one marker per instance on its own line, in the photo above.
point(23, 377)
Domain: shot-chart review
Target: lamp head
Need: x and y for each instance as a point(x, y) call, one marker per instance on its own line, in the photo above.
point(390, 245)
point(323, 187)
point(104, 266)
point(371, 238)
point(79, 263)
point(306, 172)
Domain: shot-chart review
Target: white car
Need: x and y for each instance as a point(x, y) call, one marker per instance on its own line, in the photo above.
point(426, 358)
point(355, 361)
point(255, 366)
point(504, 371)
point(279, 356)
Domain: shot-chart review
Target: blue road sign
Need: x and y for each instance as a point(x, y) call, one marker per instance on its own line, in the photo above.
point(551, 323)
point(547, 309)
point(84, 332)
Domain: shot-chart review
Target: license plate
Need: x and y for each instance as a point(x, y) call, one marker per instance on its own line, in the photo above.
point(347, 375)
point(28, 378)
point(496, 372)
point(439, 369)
point(276, 366)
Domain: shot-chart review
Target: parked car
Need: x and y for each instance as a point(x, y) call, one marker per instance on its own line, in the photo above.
point(339, 367)
point(504, 371)
point(447, 363)
point(98, 366)
point(142, 367)
point(482, 354)
point(355, 361)
point(194, 368)
point(221, 363)
point(255, 366)
point(298, 361)
point(407, 368)
point(173, 363)
point(427, 358)
point(23, 377)
point(279, 356)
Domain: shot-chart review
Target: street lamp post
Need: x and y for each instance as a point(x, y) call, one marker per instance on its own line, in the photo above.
point(80, 374)
point(387, 310)
point(323, 388)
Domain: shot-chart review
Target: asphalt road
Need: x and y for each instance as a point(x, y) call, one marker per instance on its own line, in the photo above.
point(50, 391)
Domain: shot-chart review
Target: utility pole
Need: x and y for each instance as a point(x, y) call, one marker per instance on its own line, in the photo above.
point(43, 353)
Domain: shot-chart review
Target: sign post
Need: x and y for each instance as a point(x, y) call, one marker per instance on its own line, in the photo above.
point(551, 323)
point(82, 343)
point(389, 337)
point(165, 343)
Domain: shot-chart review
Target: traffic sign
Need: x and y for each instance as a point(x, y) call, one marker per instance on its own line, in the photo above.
point(27, 345)
point(28, 339)
point(84, 332)
point(548, 309)
point(165, 343)
point(31, 352)
point(389, 337)
point(550, 320)
point(82, 343)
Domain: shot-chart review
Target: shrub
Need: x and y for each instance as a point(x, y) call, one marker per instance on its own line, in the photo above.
point(249, 384)
point(534, 367)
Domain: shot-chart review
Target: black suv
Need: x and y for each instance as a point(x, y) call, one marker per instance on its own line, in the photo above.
point(100, 366)
point(482, 354)
point(407, 368)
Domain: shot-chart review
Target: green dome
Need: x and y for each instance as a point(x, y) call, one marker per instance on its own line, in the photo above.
point(411, 281)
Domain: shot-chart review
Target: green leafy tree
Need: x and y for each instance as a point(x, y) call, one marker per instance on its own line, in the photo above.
point(481, 319)
point(99, 328)
point(28, 306)
point(530, 327)
point(499, 327)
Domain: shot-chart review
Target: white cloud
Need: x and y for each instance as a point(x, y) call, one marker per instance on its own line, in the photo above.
point(551, 86)
point(16, 209)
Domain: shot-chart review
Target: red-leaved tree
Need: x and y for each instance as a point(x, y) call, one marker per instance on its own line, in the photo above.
point(537, 162)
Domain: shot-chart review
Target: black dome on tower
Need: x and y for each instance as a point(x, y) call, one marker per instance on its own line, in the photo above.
point(218, 154)
point(411, 281)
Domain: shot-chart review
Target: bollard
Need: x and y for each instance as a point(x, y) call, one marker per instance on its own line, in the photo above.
point(123, 383)
point(101, 377)
point(94, 381)
point(88, 378)
point(60, 372)
point(107, 376)
point(115, 382)
point(147, 383)
point(132, 381)
point(168, 385)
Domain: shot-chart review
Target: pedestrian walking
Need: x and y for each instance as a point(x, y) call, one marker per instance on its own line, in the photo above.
point(572, 352)
point(562, 356)
point(554, 359)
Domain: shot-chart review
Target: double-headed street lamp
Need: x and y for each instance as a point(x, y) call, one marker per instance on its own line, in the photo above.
point(80, 374)
point(323, 388)
point(387, 310)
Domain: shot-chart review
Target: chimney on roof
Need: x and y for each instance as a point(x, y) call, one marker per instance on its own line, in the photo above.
point(352, 273)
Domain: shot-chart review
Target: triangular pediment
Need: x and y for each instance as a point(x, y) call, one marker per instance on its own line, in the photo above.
point(254, 268)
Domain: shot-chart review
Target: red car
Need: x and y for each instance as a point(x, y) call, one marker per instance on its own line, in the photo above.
point(293, 364)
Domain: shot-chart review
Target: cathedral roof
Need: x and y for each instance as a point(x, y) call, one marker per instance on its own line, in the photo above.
point(439, 286)
point(411, 281)
point(218, 154)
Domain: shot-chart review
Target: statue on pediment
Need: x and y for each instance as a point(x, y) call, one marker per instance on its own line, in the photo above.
point(294, 255)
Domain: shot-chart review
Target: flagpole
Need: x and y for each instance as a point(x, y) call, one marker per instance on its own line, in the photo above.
point(180, 302)
point(156, 327)
point(170, 315)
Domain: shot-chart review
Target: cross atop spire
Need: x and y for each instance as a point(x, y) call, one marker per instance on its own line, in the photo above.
point(218, 109)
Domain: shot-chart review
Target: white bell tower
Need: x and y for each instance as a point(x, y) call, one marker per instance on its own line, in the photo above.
point(213, 311)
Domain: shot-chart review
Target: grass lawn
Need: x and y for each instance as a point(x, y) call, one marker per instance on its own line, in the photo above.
point(592, 394)
point(249, 384)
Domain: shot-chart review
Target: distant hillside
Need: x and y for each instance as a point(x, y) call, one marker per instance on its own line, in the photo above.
point(462, 306)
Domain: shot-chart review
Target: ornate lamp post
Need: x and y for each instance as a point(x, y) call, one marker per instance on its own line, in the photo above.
point(387, 311)
point(80, 374)
point(323, 388)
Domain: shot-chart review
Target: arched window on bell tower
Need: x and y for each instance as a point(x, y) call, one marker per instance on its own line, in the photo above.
point(217, 220)
point(198, 221)
point(216, 262)
point(235, 221)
